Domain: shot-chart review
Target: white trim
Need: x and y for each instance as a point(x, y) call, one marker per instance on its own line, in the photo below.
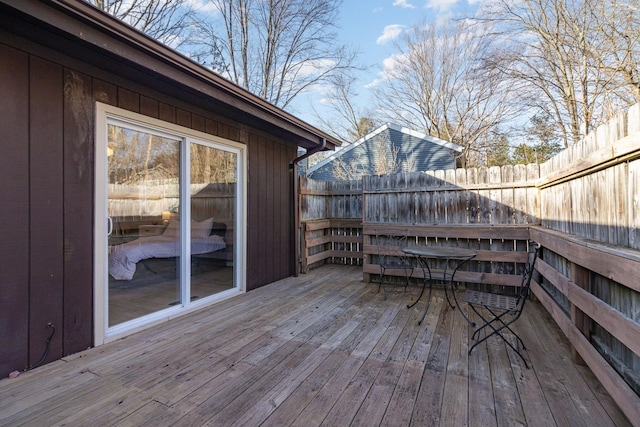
point(106, 114)
point(100, 228)
point(145, 322)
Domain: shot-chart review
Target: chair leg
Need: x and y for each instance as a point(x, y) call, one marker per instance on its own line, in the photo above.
point(407, 276)
point(498, 332)
point(381, 284)
point(424, 314)
point(505, 325)
point(497, 318)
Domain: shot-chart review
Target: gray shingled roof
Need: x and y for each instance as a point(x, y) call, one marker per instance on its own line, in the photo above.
point(415, 150)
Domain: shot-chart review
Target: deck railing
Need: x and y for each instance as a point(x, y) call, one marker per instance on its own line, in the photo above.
point(582, 207)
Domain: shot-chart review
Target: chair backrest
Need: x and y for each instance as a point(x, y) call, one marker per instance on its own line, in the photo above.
point(389, 246)
point(527, 273)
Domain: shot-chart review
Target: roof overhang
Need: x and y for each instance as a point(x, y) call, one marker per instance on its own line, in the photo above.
point(83, 32)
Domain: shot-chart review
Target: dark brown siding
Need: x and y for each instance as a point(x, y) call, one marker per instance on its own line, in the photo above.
point(46, 209)
point(78, 195)
point(14, 209)
point(47, 161)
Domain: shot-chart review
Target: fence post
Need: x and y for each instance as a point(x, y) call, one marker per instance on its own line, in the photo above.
point(366, 257)
point(304, 250)
point(580, 276)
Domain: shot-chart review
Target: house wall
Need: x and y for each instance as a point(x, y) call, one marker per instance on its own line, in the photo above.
point(47, 187)
point(412, 155)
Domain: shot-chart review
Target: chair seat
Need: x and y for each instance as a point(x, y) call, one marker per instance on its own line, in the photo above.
point(486, 299)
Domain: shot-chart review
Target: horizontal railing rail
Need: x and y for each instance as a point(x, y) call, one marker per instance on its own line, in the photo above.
point(338, 241)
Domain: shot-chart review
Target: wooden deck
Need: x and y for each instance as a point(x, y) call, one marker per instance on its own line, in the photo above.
point(321, 349)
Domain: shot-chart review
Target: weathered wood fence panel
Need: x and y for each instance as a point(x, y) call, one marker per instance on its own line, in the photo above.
point(592, 190)
point(498, 195)
point(323, 240)
point(583, 206)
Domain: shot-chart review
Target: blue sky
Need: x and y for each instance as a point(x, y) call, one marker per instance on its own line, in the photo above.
point(371, 26)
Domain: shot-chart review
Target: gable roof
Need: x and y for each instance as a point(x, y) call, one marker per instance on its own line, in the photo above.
point(424, 151)
point(89, 34)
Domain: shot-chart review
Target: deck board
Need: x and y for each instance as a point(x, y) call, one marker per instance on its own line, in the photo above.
point(323, 348)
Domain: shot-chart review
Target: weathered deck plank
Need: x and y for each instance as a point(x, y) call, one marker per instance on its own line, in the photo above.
point(320, 349)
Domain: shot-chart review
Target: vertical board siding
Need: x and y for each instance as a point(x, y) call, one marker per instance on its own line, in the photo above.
point(78, 158)
point(46, 210)
point(47, 108)
point(259, 212)
point(14, 187)
point(150, 107)
point(252, 207)
point(270, 234)
point(268, 193)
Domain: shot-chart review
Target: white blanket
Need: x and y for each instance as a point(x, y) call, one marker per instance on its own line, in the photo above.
point(123, 258)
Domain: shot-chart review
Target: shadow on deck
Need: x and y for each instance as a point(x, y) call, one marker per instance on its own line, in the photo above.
point(322, 348)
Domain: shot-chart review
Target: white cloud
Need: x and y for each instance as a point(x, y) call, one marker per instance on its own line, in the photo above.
point(391, 63)
point(374, 83)
point(203, 6)
point(390, 32)
point(389, 69)
point(441, 5)
point(313, 67)
point(404, 4)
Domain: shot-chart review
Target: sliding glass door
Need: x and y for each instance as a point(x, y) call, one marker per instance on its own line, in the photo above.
point(171, 227)
point(212, 201)
point(143, 181)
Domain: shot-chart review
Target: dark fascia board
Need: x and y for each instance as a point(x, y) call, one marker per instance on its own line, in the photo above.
point(82, 21)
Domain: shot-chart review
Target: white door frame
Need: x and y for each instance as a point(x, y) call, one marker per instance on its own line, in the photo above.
point(105, 113)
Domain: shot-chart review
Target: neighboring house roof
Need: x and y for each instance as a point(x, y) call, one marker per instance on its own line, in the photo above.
point(416, 151)
point(108, 39)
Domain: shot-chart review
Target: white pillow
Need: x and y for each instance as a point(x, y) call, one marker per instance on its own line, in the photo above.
point(201, 229)
point(173, 229)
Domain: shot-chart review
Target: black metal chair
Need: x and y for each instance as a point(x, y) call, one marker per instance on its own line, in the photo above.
point(498, 311)
point(391, 257)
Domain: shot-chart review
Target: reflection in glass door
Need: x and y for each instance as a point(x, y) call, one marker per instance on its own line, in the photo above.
point(172, 204)
point(212, 195)
point(144, 235)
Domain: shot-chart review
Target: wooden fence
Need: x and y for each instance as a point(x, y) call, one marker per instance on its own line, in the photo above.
point(133, 205)
point(582, 206)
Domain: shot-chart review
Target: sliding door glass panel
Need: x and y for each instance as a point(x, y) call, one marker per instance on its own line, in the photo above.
point(213, 189)
point(144, 236)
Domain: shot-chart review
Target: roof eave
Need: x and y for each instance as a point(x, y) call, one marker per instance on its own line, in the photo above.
point(98, 28)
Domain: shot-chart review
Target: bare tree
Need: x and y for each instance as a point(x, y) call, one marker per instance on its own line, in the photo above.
point(347, 170)
point(165, 20)
point(438, 84)
point(276, 49)
point(616, 50)
point(345, 120)
point(570, 58)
